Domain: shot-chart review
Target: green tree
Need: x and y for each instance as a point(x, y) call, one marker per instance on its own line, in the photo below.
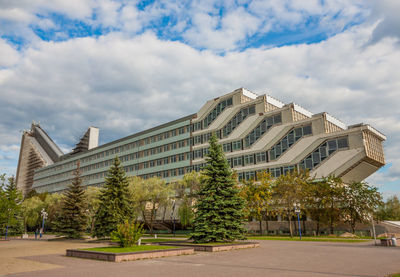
point(11, 205)
point(359, 203)
point(187, 190)
point(72, 220)
point(389, 210)
point(289, 191)
point(258, 196)
point(115, 206)
point(322, 199)
point(219, 211)
point(31, 208)
point(92, 199)
point(150, 196)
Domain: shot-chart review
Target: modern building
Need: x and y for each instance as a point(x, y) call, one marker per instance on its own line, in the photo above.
point(257, 133)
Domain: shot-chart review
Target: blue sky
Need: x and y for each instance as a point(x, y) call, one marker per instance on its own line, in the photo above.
point(117, 64)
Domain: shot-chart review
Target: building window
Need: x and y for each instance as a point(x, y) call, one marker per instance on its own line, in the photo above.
point(237, 145)
point(197, 140)
point(227, 147)
point(181, 157)
point(261, 157)
point(197, 126)
point(197, 154)
point(216, 111)
point(237, 119)
point(248, 159)
point(261, 128)
point(237, 161)
point(287, 141)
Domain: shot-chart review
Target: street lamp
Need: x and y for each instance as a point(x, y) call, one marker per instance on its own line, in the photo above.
point(173, 216)
point(297, 211)
point(8, 220)
point(44, 216)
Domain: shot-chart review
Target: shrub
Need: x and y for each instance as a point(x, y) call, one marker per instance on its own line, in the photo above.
point(128, 233)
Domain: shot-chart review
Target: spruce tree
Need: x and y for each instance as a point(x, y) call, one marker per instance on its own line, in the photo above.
point(219, 210)
point(72, 217)
point(12, 207)
point(115, 205)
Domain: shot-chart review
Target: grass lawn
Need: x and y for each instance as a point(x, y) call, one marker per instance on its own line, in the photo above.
point(135, 248)
point(349, 240)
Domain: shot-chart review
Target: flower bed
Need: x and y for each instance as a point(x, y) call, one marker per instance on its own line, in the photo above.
point(116, 254)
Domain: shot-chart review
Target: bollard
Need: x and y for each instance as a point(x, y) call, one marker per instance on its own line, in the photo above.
point(139, 242)
point(394, 241)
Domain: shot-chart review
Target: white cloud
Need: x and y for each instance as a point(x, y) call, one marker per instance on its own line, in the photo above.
point(124, 85)
point(9, 56)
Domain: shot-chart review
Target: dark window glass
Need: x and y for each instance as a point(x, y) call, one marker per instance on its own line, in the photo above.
point(342, 143)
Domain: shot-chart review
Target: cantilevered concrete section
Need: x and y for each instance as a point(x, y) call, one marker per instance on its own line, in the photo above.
point(257, 133)
point(37, 150)
point(261, 133)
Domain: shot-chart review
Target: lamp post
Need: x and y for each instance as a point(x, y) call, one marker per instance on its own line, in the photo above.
point(44, 216)
point(173, 216)
point(297, 211)
point(8, 220)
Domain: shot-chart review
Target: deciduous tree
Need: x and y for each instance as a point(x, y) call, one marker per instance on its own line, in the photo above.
point(150, 196)
point(359, 203)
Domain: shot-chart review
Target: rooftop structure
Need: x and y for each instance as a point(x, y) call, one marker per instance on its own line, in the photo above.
point(257, 133)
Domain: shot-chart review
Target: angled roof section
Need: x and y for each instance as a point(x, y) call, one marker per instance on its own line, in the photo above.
point(48, 145)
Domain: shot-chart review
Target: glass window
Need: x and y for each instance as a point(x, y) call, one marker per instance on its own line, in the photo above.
point(248, 159)
point(237, 145)
point(342, 143)
point(261, 157)
point(227, 147)
point(307, 130)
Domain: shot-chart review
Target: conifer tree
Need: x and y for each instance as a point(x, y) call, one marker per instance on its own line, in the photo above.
point(115, 206)
point(219, 210)
point(10, 206)
point(72, 217)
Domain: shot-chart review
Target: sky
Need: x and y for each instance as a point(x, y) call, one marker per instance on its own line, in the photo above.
point(125, 66)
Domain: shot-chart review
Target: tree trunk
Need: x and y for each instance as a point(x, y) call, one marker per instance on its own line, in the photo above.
point(331, 219)
point(353, 227)
point(267, 226)
point(290, 226)
point(261, 231)
point(318, 227)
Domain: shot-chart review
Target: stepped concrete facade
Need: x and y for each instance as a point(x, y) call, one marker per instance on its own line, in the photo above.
point(257, 133)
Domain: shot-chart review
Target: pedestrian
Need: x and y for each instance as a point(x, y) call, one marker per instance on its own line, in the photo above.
point(41, 232)
point(36, 233)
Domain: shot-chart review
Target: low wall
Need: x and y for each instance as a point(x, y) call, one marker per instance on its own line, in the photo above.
point(214, 248)
point(132, 256)
point(309, 227)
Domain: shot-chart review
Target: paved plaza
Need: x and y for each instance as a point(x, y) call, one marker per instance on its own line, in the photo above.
point(272, 258)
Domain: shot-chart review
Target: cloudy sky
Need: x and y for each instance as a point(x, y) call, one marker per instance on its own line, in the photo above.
point(125, 66)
